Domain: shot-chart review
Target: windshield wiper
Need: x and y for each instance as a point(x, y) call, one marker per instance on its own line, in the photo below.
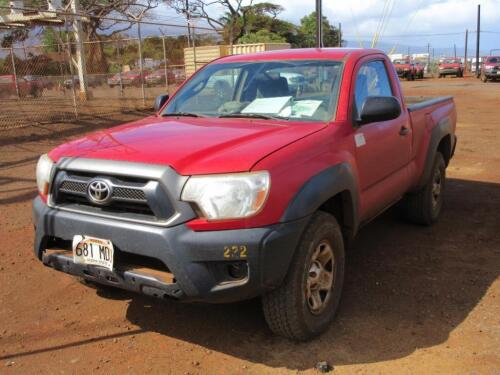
point(181, 114)
point(253, 115)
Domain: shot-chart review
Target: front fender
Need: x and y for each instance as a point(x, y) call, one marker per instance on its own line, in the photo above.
point(320, 188)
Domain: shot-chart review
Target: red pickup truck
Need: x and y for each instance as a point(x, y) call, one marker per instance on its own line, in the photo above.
point(27, 85)
point(490, 68)
point(405, 69)
point(451, 66)
point(226, 195)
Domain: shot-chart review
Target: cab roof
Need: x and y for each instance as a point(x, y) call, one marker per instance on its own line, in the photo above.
point(301, 54)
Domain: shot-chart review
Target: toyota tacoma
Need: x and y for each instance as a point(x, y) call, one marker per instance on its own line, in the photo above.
point(253, 191)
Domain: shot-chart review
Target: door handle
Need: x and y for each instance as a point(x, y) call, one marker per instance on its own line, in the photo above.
point(404, 130)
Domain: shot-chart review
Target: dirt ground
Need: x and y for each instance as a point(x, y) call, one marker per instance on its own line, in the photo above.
point(416, 300)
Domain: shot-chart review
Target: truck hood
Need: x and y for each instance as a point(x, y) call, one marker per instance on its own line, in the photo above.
point(190, 145)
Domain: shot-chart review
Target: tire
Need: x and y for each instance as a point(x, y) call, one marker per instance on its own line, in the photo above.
point(424, 206)
point(36, 92)
point(288, 310)
point(440, 76)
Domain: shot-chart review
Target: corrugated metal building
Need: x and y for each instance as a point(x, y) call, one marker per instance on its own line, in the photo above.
point(204, 54)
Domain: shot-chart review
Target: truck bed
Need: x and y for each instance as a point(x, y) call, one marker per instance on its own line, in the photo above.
point(415, 103)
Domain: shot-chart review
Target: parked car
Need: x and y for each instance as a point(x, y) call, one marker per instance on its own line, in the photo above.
point(93, 81)
point(405, 69)
point(25, 86)
point(451, 66)
point(490, 68)
point(296, 81)
point(258, 194)
point(130, 78)
point(419, 70)
point(41, 81)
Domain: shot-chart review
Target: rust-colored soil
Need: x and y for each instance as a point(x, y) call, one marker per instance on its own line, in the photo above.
point(416, 299)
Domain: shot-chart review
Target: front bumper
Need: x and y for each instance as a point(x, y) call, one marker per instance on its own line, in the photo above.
point(197, 260)
point(449, 71)
point(492, 73)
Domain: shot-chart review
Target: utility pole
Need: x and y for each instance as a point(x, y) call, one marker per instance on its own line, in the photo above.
point(428, 57)
point(455, 50)
point(319, 24)
point(408, 51)
point(340, 34)
point(478, 38)
point(188, 24)
point(80, 51)
point(165, 63)
point(465, 53)
point(141, 64)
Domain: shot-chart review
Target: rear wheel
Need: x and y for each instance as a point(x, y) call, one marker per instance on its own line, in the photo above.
point(305, 304)
point(424, 206)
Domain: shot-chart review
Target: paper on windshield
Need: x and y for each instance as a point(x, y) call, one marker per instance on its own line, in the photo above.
point(271, 106)
point(305, 108)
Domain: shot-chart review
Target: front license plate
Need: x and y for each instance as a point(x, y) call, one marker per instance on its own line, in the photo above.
point(94, 251)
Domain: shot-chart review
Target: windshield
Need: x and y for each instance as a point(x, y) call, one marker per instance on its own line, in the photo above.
point(452, 61)
point(494, 60)
point(302, 90)
point(401, 62)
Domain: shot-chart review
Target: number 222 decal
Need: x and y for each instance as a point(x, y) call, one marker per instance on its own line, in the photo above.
point(235, 251)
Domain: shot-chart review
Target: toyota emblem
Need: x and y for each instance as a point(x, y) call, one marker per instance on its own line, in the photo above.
point(99, 191)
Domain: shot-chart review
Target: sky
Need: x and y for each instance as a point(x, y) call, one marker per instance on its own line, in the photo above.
point(360, 18)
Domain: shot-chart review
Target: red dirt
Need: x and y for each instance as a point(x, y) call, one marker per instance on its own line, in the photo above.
point(416, 299)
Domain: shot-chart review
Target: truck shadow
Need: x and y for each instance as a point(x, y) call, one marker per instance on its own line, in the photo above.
point(407, 288)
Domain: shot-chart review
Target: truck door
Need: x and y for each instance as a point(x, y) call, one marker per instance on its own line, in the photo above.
point(382, 148)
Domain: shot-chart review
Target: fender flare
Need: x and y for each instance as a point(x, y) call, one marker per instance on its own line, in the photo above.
point(320, 188)
point(440, 131)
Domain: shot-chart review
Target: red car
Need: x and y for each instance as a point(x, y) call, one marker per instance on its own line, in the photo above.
point(158, 77)
point(451, 66)
point(130, 78)
point(490, 68)
point(405, 69)
point(257, 192)
point(25, 86)
point(419, 70)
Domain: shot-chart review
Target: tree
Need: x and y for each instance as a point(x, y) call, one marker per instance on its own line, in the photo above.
point(306, 36)
point(98, 29)
point(239, 17)
point(262, 36)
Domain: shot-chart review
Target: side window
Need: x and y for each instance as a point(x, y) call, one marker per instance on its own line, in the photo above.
point(371, 80)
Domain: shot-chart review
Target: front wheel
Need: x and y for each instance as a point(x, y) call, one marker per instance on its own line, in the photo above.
point(306, 303)
point(424, 206)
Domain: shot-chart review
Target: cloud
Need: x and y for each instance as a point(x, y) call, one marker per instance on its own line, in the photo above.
point(361, 17)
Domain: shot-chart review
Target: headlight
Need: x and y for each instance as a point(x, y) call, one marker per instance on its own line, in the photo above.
point(228, 196)
point(43, 173)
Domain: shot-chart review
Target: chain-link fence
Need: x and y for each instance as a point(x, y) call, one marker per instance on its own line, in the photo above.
point(40, 82)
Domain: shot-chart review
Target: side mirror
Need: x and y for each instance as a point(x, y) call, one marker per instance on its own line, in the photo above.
point(379, 108)
point(160, 101)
